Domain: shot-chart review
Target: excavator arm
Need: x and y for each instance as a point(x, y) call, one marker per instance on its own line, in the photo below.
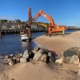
point(52, 27)
point(41, 13)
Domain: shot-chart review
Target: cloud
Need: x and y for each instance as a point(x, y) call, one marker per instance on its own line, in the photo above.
point(9, 17)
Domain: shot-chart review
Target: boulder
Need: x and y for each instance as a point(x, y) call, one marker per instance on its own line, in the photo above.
point(59, 61)
point(49, 54)
point(38, 55)
point(21, 54)
point(66, 59)
point(70, 52)
point(11, 55)
point(6, 57)
point(11, 62)
point(51, 60)
point(74, 59)
point(23, 60)
point(26, 55)
point(41, 51)
point(78, 52)
point(36, 48)
point(43, 57)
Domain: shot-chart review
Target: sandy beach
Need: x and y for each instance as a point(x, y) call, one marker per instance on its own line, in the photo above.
point(36, 70)
point(59, 43)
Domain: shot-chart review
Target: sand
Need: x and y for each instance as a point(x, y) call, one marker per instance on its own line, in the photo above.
point(59, 43)
point(37, 70)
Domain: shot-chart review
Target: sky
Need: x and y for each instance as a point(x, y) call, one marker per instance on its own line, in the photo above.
point(63, 12)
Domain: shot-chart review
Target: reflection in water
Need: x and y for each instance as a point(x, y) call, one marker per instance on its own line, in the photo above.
point(24, 44)
point(29, 45)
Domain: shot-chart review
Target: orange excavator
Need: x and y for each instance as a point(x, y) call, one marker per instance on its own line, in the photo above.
point(52, 27)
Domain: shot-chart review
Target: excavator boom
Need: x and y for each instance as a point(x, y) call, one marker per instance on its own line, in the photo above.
point(52, 27)
point(41, 13)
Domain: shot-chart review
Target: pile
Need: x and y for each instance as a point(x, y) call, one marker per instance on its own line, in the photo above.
point(37, 54)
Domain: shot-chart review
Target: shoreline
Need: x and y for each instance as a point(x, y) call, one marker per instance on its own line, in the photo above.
point(59, 43)
point(37, 70)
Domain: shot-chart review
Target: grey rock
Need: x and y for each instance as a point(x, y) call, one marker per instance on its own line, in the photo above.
point(11, 55)
point(70, 52)
point(74, 59)
point(78, 52)
point(49, 54)
point(40, 51)
point(21, 54)
point(37, 56)
point(10, 62)
point(23, 60)
point(43, 57)
point(36, 48)
point(26, 55)
point(51, 60)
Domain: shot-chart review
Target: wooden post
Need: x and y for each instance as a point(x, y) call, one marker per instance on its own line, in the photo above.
point(29, 23)
point(0, 33)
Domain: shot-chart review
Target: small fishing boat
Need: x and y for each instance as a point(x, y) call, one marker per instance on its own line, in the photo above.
point(24, 37)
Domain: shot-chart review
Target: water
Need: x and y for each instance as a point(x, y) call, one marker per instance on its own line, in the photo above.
point(11, 44)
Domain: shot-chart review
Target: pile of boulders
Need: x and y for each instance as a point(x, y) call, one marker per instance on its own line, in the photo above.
point(71, 56)
point(37, 54)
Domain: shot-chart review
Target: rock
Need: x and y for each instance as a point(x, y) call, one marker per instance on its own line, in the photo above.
point(36, 48)
point(6, 57)
point(21, 54)
point(38, 55)
point(11, 55)
point(60, 60)
point(10, 62)
point(74, 59)
point(17, 60)
point(34, 52)
point(51, 60)
point(43, 57)
point(78, 71)
point(49, 54)
point(78, 52)
point(41, 51)
point(26, 55)
point(66, 59)
point(23, 60)
point(70, 52)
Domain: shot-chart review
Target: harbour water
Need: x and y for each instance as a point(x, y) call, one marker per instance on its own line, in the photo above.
point(11, 44)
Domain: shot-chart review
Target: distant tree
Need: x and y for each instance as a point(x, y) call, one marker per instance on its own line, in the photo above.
point(3, 21)
point(18, 20)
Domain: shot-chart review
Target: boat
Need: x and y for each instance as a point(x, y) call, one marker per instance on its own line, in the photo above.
point(24, 37)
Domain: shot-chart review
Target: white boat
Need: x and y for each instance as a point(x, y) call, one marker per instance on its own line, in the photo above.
point(24, 37)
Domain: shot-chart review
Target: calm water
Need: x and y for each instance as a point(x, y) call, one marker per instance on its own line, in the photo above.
point(11, 44)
